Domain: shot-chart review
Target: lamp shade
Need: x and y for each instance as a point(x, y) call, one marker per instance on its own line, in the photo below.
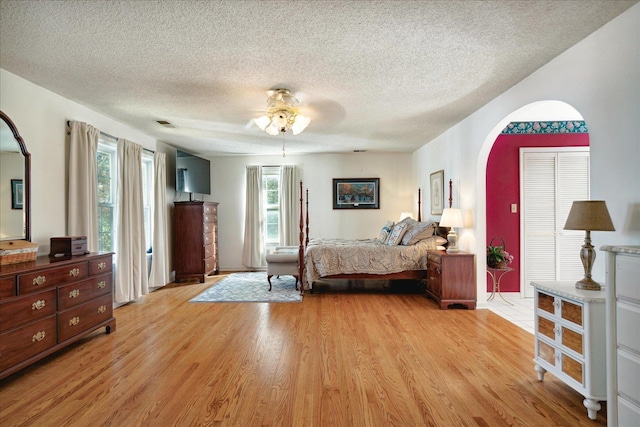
point(451, 217)
point(589, 215)
point(404, 215)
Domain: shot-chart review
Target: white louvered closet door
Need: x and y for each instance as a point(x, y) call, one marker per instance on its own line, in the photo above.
point(551, 179)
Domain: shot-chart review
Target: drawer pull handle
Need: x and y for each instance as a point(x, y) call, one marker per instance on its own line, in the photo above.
point(74, 272)
point(102, 309)
point(74, 321)
point(39, 280)
point(38, 337)
point(102, 284)
point(38, 305)
point(102, 266)
point(74, 293)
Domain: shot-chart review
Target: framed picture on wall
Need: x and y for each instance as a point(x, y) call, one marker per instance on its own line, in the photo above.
point(437, 192)
point(16, 194)
point(356, 193)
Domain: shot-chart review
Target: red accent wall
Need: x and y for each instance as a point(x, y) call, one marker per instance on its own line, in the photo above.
point(503, 189)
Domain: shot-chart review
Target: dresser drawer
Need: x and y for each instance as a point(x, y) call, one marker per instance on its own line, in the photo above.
point(628, 337)
point(208, 238)
point(29, 308)
point(33, 282)
point(22, 343)
point(78, 319)
point(208, 251)
point(7, 287)
point(209, 264)
point(100, 266)
point(210, 209)
point(628, 412)
point(572, 312)
point(627, 274)
point(80, 292)
point(628, 374)
point(210, 218)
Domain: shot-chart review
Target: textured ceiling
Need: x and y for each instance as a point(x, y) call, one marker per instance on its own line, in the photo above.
point(373, 75)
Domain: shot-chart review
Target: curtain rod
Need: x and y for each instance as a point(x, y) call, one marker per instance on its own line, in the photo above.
point(112, 137)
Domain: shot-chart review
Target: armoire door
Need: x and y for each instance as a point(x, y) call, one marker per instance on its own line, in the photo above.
point(550, 180)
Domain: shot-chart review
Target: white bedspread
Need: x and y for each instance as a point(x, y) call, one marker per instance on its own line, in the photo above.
point(325, 257)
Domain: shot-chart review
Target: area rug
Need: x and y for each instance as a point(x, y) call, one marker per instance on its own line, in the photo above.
point(251, 287)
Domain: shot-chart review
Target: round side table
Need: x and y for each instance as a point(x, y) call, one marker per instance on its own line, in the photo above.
point(496, 276)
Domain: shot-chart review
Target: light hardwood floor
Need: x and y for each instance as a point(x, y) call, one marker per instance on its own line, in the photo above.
point(336, 359)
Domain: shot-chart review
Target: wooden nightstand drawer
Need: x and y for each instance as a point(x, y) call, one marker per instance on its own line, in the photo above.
point(435, 258)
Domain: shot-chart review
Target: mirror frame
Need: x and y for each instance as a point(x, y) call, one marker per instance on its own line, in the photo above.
point(27, 175)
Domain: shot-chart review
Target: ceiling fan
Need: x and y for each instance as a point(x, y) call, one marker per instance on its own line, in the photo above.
point(283, 113)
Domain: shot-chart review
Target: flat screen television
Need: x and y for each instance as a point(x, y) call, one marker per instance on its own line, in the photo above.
point(193, 174)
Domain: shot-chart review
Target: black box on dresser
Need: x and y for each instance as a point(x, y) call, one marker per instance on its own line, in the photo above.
point(68, 246)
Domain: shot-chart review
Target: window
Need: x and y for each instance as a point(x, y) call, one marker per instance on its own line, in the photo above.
point(271, 205)
point(107, 187)
point(107, 162)
point(147, 197)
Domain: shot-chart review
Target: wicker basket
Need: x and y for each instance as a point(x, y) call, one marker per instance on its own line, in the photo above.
point(17, 251)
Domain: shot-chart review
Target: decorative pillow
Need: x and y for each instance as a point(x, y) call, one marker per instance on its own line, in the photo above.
point(418, 231)
point(385, 231)
point(396, 234)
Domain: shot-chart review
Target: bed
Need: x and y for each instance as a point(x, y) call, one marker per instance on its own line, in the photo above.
point(399, 251)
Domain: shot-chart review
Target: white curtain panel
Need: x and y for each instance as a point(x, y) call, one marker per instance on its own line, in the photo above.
point(82, 216)
point(160, 274)
point(131, 259)
point(253, 249)
point(289, 206)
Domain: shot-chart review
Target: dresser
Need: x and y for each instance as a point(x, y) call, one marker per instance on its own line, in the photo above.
point(623, 336)
point(46, 305)
point(196, 240)
point(570, 339)
point(451, 279)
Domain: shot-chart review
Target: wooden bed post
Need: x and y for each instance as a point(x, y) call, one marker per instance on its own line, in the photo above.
point(301, 247)
point(450, 193)
point(419, 208)
point(306, 239)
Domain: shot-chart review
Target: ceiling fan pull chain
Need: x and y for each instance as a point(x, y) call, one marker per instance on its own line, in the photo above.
point(283, 153)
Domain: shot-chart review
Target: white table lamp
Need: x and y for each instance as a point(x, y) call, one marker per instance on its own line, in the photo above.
point(452, 217)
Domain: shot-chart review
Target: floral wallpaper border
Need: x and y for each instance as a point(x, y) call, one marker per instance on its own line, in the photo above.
point(574, 126)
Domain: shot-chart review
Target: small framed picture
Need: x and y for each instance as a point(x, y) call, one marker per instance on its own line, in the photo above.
point(16, 194)
point(356, 193)
point(437, 192)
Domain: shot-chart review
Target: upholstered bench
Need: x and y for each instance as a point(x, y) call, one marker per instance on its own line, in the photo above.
point(283, 261)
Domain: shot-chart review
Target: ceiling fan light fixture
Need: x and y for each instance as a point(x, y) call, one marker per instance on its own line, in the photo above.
point(282, 114)
point(301, 122)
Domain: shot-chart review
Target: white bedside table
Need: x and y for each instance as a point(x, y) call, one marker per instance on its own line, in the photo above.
point(570, 339)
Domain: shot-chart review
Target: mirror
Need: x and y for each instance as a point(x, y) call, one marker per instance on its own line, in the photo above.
point(15, 183)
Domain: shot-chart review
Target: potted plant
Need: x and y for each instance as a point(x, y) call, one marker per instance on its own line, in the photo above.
point(497, 256)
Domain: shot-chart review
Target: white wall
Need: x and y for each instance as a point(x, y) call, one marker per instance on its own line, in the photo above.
point(397, 194)
point(41, 118)
point(600, 77)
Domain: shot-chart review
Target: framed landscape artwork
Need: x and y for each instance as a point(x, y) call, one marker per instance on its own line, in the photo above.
point(437, 192)
point(356, 193)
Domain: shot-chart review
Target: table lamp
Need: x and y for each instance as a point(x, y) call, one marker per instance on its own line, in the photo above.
point(452, 217)
point(588, 215)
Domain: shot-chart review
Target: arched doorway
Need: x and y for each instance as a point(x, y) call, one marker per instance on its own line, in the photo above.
point(507, 212)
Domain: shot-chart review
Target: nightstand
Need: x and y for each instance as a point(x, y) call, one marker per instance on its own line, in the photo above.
point(570, 339)
point(451, 278)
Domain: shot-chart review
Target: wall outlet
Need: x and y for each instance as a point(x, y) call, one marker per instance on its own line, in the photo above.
point(514, 208)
